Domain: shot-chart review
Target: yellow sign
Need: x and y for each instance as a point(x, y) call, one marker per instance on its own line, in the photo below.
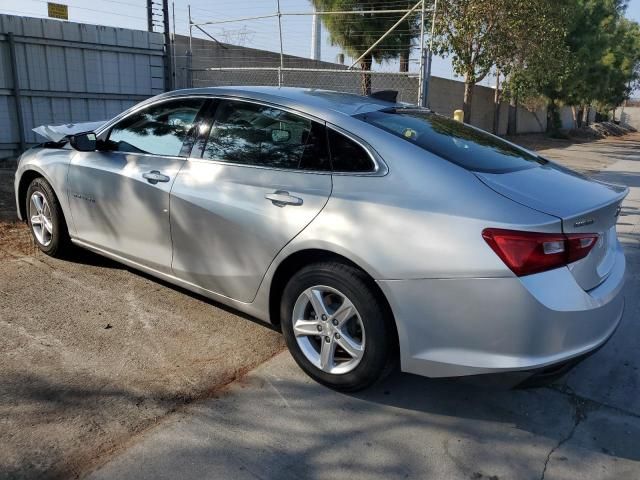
point(58, 10)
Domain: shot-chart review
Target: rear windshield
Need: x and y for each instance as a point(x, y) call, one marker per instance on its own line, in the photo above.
point(458, 143)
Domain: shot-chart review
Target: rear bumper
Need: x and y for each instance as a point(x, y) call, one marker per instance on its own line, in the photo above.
point(470, 326)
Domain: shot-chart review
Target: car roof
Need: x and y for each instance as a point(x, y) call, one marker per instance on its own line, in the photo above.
point(317, 102)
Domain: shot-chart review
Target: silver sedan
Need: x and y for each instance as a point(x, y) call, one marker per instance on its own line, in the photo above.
point(370, 232)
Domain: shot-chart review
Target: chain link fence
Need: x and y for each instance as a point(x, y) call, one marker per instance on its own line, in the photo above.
point(269, 49)
point(351, 81)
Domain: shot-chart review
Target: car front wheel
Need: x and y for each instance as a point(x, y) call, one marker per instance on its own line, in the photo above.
point(337, 327)
point(45, 219)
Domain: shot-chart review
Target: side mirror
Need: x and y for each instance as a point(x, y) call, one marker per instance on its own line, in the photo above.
point(280, 136)
point(83, 142)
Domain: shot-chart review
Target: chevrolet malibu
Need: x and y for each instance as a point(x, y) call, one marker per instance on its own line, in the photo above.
point(369, 231)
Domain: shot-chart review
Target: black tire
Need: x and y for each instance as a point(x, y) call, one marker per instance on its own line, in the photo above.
point(380, 351)
point(60, 243)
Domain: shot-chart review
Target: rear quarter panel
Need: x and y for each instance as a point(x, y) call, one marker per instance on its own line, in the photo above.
point(424, 219)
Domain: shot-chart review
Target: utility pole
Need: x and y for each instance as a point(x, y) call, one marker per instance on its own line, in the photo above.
point(315, 36)
point(150, 15)
point(152, 12)
point(168, 76)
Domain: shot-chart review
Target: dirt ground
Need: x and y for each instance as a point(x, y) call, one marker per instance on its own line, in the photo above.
point(7, 201)
point(93, 353)
point(572, 154)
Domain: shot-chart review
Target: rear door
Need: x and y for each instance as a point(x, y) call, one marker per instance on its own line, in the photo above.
point(254, 181)
point(119, 196)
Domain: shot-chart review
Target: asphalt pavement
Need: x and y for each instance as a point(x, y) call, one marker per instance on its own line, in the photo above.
point(275, 423)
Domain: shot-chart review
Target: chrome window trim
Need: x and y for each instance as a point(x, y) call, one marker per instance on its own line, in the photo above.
point(262, 167)
point(265, 104)
point(154, 155)
point(128, 113)
point(306, 115)
point(380, 167)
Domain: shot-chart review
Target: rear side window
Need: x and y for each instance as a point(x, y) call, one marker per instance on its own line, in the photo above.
point(252, 134)
point(458, 143)
point(158, 130)
point(347, 155)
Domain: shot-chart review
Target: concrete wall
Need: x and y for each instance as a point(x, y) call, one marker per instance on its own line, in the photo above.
point(631, 116)
point(445, 95)
point(566, 117)
point(207, 53)
point(71, 72)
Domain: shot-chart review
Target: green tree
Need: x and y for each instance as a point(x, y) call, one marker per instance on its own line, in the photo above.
point(620, 66)
point(357, 32)
point(602, 61)
point(531, 51)
point(511, 35)
point(468, 31)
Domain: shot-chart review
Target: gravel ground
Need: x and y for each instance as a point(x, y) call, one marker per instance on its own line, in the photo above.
point(94, 353)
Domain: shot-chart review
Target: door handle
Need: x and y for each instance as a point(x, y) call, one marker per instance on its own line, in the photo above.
point(280, 198)
point(154, 176)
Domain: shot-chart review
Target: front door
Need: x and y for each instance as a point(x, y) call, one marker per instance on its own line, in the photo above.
point(261, 177)
point(119, 196)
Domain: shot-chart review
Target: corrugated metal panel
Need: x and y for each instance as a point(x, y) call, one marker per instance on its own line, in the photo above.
point(72, 72)
point(76, 72)
point(8, 118)
point(5, 66)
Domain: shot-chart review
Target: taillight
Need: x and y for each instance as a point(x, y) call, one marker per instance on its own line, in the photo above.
point(530, 252)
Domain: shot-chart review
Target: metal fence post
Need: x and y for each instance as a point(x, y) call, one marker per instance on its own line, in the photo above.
point(427, 79)
point(16, 90)
point(150, 15)
point(168, 59)
point(189, 78)
point(281, 48)
point(174, 65)
point(421, 74)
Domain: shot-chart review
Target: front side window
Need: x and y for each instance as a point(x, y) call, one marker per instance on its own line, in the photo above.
point(456, 142)
point(251, 134)
point(158, 130)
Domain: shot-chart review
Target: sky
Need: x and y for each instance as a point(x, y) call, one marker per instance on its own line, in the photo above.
point(261, 33)
point(257, 33)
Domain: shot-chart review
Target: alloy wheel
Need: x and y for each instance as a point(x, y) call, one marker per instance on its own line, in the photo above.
point(41, 222)
point(328, 329)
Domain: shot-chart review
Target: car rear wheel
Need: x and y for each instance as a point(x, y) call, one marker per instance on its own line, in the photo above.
point(46, 220)
point(336, 326)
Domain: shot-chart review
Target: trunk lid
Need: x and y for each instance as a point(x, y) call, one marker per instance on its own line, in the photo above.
point(584, 205)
